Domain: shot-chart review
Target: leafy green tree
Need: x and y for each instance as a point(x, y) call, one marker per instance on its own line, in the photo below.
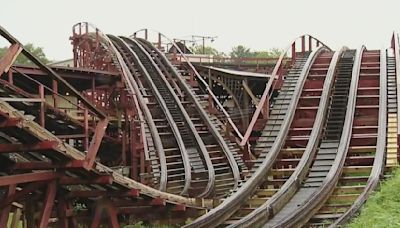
point(21, 59)
point(241, 51)
point(198, 49)
point(272, 53)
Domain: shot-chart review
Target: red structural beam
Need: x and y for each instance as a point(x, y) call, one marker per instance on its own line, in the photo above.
point(48, 204)
point(10, 122)
point(105, 205)
point(9, 58)
point(20, 194)
point(4, 214)
point(106, 179)
point(40, 146)
point(42, 165)
point(95, 143)
point(100, 193)
point(28, 177)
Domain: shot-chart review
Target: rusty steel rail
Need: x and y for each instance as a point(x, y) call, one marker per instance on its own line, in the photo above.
point(214, 131)
point(223, 211)
point(289, 188)
point(276, 76)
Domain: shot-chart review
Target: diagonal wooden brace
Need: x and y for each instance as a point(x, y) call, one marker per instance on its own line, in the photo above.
point(8, 59)
point(95, 143)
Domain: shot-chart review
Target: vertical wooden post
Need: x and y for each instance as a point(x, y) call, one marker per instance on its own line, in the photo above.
point(303, 44)
point(293, 51)
point(48, 204)
point(55, 92)
point(16, 218)
point(86, 130)
point(5, 211)
point(159, 41)
point(42, 105)
point(10, 76)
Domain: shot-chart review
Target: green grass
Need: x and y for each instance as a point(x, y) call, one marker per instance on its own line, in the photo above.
point(383, 207)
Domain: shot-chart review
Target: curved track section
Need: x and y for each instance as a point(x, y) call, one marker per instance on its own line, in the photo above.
point(365, 158)
point(294, 85)
point(227, 170)
point(177, 166)
point(287, 190)
point(330, 158)
point(68, 168)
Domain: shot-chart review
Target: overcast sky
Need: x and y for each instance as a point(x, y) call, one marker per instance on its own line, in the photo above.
point(257, 24)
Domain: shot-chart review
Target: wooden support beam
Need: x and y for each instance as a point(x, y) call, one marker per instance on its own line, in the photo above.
point(16, 218)
point(158, 202)
point(48, 204)
point(19, 195)
point(250, 93)
point(179, 207)
point(8, 59)
point(100, 193)
point(10, 122)
point(106, 179)
point(17, 148)
point(28, 177)
point(42, 165)
point(5, 211)
point(105, 205)
point(95, 143)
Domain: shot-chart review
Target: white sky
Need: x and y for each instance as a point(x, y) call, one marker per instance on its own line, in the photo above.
point(257, 24)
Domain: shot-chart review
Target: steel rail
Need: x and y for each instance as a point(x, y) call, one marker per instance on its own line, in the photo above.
point(214, 131)
point(379, 160)
point(304, 212)
point(138, 99)
point(205, 84)
point(200, 144)
point(289, 188)
point(270, 88)
point(231, 204)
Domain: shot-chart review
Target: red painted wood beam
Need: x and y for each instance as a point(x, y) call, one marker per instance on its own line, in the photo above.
point(100, 193)
point(106, 179)
point(28, 177)
point(9, 58)
point(179, 207)
point(105, 205)
point(10, 122)
point(48, 204)
point(158, 202)
point(21, 194)
point(4, 214)
point(95, 143)
point(40, 146)
point(41, 165)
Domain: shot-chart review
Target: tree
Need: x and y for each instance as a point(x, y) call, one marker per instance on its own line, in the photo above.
point(23, 60)
point(241, 51)
point(198, 49)
point(272, 53)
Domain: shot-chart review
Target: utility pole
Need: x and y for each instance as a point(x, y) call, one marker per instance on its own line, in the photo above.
point(211, 38)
